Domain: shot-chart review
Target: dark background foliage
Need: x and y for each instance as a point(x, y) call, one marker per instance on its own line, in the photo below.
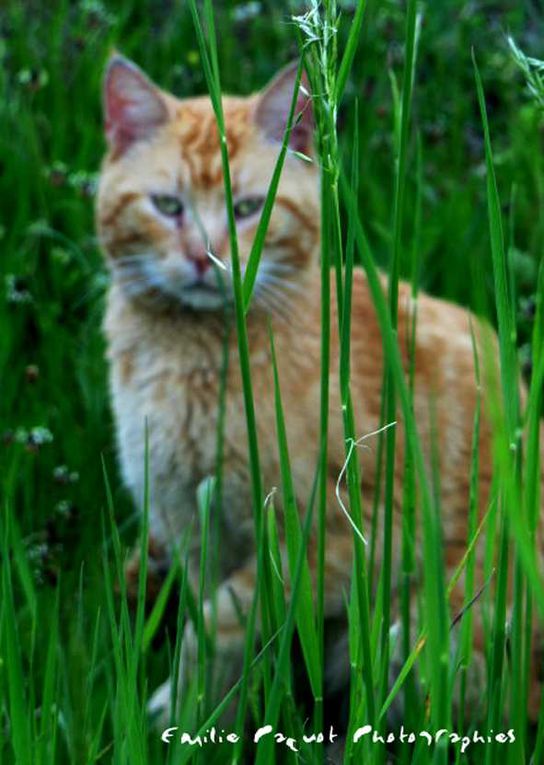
point(55, 424)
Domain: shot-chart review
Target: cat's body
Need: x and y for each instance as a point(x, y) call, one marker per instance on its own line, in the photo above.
point(161, 210)
point(166, 369)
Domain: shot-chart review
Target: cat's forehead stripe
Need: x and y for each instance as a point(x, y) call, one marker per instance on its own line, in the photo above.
point(199, 140)
point(123, 200)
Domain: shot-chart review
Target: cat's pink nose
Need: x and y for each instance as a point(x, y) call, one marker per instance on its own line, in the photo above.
point(199, 257)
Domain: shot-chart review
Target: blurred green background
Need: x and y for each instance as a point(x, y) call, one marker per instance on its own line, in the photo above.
point(55, 423)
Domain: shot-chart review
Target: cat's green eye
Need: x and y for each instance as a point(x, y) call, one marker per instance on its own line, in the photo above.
point(168, 204)
point(248, 206)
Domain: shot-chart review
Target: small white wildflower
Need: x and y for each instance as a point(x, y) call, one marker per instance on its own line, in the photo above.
point(37, 552)
point(56, 173)
point(32, 78)
point(63, 508)
point(246, 11)
point(37, 436)
point(84, 182)
point(16, 292)
point(61, 255)
point(40, 435)
point(62, 474)
point(97, 12)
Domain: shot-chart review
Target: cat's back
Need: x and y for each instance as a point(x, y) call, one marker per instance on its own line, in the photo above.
point(442, 340)
point(441, 337)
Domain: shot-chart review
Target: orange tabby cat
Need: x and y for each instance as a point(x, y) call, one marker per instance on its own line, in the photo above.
point(162, 222)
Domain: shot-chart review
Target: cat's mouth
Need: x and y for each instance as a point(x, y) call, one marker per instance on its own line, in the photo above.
point(140, 279)
point(203, 296)
point(201, 285)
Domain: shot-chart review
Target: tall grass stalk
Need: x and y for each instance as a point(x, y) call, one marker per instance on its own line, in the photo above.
point(532, 480)
point(18, 700)
point(252, 266)
point(205, 493)
point(467, 626)
point(389, 380)
point(128, 711)
point(208, 53)
point(266, 752)
point(508, 369)
point(411, 701)
point(242, 294)
point(320, 30)
point(515, 513)
point(435, 609)
point(293, 534)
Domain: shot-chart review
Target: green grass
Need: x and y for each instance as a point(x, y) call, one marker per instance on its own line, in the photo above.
point(424, 127)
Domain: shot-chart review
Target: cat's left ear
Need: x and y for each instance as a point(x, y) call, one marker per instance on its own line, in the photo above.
point(274, 103)
point(133, 106)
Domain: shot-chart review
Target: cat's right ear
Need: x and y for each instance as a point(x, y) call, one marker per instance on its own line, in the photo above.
point(133, 106)
point(274, 104)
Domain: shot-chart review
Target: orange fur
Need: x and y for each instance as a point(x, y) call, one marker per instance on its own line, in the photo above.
point(165, 355)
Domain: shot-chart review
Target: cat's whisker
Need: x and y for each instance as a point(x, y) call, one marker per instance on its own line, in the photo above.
point(133, 257)
point(135, 289)
point(274, 267)
point(131, 260)
point(281, 283)
point(141, 267)
point(262, 299)
point(278, 265)
point(128, 269)
point(131, 266)
point(141, 285)
point(267, 304)
point(135, 267)
point(280, 303)
point(133, 277)
point(278, 289)
point(281, 274)
point(130, 282)
point(95, 289)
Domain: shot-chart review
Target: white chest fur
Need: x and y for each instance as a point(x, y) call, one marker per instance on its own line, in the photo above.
point(166, 382)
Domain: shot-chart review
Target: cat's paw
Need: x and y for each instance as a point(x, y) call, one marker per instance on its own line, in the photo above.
point(189, 653)
point(159, 706)
point(224, 641)
point(227, 650)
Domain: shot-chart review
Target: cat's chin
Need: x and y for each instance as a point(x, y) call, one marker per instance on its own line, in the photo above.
point(201, 298)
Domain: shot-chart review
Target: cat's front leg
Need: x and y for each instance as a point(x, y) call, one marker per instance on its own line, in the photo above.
point(227, 627)
point(224, 626)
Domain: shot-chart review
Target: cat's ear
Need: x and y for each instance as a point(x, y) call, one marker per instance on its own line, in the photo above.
point(274, 103)
point(133, 106)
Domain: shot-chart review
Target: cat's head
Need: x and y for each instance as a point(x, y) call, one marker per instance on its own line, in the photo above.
point(161, 210)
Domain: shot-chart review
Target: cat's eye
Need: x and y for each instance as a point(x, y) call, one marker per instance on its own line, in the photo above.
point(248, 206)
point(168, 204)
